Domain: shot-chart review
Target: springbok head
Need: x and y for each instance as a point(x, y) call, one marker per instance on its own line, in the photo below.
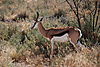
point(38, 20)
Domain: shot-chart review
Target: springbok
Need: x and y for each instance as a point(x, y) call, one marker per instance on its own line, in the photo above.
point(65, 34)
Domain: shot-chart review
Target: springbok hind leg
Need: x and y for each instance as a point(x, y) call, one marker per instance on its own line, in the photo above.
point(74, 42)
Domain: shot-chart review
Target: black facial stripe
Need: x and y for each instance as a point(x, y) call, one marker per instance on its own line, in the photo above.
point(33, 25)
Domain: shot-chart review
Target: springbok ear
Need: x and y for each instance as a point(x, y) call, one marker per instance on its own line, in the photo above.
point(41, 19)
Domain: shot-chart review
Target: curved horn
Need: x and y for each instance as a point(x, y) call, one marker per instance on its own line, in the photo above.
point(37, 16)
point(35, 20)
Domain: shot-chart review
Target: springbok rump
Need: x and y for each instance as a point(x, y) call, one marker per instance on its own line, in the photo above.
point(65, 34)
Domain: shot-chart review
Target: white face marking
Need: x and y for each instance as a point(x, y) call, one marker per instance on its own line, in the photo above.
point(63, 38)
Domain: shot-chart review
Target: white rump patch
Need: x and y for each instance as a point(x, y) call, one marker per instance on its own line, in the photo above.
point(79, 31)
point(63, 38)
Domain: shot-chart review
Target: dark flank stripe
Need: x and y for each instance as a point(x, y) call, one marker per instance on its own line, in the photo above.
point(61, 34)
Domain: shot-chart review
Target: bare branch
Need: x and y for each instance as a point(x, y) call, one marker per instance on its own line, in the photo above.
point(97, 18)
point(75, 12)
point(94, 15)
point(98, 28)
point(71, 6)
point(98, 14)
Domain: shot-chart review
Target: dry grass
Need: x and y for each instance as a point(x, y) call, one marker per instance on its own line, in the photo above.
point(9, 57)
point(30, 53)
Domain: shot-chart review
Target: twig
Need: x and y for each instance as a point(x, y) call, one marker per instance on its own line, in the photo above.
point(75, 12)
point(71, 6)
point(94, 15)
point(98, 14)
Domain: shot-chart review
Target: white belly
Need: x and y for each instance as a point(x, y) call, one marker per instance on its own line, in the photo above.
point(63, 38)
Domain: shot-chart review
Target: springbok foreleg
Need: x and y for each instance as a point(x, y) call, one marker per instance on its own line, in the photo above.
point(52, 46)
